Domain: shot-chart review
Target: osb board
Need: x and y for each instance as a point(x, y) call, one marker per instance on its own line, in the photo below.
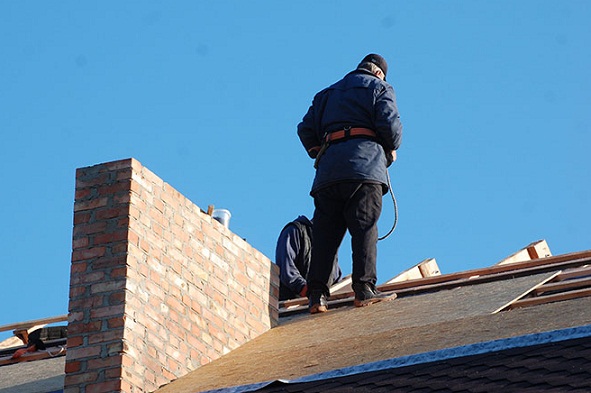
point(39, 376)
point(305, 344)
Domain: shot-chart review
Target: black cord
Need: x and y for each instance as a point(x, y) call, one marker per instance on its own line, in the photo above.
point(395, 209)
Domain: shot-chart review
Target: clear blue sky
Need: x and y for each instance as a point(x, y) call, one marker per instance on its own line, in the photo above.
point(494, 96)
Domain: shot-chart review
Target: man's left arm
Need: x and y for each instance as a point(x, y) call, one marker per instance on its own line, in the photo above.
point(388, 124)
point(307, 134)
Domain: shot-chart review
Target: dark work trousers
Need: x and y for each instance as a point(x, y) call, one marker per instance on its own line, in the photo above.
point(345, 206)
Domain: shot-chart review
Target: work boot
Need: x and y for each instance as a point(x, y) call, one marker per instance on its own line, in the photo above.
point(317, 302)
point(366, 294)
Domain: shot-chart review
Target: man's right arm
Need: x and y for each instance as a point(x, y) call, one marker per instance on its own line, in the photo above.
point(286, 253)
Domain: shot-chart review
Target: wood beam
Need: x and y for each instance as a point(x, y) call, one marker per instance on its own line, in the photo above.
point(35, 322)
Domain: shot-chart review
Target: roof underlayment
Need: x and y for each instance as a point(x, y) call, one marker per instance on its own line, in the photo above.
point(434, 356)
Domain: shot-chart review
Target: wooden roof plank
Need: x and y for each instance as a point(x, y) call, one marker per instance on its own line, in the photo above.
point(564, 285)
point(28, 324)
point(534, 301)
point(575, 273)
point(526, 293)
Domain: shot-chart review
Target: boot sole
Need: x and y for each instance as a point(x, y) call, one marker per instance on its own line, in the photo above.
point(367, 302)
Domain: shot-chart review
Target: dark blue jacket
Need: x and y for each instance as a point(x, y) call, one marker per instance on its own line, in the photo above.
point(293, 255)
point(360, 99)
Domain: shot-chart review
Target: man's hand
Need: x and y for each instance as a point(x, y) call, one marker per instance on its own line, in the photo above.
point(390, 157)
point(20, 352)
point(313, 152)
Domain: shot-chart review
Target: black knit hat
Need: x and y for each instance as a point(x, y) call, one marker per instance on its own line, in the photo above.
point(377, 60)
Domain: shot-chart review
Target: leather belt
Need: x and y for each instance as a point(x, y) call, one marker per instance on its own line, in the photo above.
point(348, 132)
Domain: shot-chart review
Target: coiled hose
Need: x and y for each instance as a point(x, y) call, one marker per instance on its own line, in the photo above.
point(395, 209)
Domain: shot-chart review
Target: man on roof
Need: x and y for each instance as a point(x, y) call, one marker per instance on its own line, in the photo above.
point(293, 254)
point(31, 340)
point(352, 130)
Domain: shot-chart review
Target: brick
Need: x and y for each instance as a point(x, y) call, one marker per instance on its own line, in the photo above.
point(144, 245)
point(109, 238)
point(75, 316)
point(116, 298)
point(122, 198)
point(119, 249)
point(103, 337)
point(109, 263)
point(86, 328)
point(86, 181)
point(82, 217)
point(127, 361)
point(86, 277)
point(107, 286)
point(174, 303)
point(159, 205)
point(74, 341)
point(110, 311)
point(119, 165)
point(113, 373)
point(88, 253)
point(90, 204)
point(139, 202)
point(84, 352)
point(77, 292)
point(80, 243)
point(115, 348)
point(89, 229)
point(124, 173)
point(133, 237)
point(136, 380)
point(85, 303)
point(113, 212)
point(116, 322)
point(104, 363)
point(109, 189)
point(107, 386)
point(123, 222)
point(82, 193)
point(72, 366)
point(78, 267)
point(126, 387)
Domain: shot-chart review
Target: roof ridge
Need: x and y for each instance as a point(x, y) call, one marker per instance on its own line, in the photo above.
point(468, 277)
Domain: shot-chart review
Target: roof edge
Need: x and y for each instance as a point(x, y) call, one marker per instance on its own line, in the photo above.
point(427, 357)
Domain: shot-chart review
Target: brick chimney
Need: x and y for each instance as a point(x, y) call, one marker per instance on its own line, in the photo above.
point(157, 288)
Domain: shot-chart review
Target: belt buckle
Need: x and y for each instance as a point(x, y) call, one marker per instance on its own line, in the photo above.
point(347, 131)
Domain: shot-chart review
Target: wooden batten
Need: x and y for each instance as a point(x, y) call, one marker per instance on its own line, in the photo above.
point(535, 250)
point(426, 268)
point(342, 286)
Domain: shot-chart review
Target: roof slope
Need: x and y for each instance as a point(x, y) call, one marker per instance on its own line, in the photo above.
point(420, 322)
point(561, 366)
point(33, 377)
